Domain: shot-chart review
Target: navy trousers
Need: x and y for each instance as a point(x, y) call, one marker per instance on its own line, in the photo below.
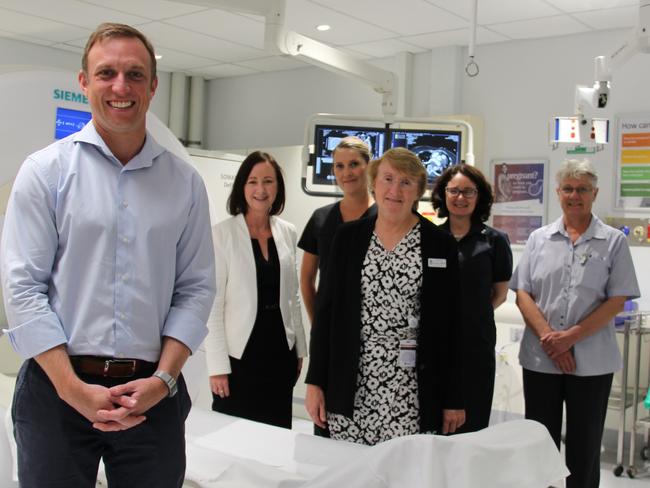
point(59, 448)
point(586, 406)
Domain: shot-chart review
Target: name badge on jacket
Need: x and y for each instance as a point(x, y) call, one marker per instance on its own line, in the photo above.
point(437, 263)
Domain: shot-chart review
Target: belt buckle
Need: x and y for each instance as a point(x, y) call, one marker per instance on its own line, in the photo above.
point(109, 362)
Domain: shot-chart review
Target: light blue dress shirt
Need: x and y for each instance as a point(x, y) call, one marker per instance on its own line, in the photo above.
point(104, 258)
point(568, 281)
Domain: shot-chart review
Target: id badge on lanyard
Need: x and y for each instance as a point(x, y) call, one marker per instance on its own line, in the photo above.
point(408, 346)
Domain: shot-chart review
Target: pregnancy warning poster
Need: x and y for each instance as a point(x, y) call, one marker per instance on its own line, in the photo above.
point(519, 196)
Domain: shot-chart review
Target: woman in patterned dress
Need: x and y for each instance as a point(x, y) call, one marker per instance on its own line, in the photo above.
point(385, 338)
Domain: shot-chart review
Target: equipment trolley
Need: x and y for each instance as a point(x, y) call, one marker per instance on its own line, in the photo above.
point(636, 325)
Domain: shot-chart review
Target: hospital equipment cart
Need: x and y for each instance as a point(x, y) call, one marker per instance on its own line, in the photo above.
point(635, 325)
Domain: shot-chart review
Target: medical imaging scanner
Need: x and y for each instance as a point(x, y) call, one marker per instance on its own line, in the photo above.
point(583, 127)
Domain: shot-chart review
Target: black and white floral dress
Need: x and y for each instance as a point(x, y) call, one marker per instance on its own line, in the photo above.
point(386, 399)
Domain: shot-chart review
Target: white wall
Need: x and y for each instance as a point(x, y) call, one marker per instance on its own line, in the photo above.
point(26, 54)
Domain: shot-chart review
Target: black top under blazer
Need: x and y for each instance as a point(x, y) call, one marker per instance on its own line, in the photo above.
point(336, 332)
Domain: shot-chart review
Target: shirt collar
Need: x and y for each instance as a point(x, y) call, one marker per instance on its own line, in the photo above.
point(475, 228)
point(145, 158)
point(596, 229)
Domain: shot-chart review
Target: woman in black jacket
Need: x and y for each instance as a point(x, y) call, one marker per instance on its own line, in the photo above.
point(385, 338)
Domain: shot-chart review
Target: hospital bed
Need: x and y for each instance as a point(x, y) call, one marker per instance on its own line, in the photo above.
point(227, 452)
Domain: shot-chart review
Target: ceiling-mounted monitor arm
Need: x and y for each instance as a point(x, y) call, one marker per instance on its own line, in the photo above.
point(291, 43)
point(326, 57)
point(279, 40)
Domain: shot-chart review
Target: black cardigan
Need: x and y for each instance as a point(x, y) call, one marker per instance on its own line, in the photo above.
point(335, 335)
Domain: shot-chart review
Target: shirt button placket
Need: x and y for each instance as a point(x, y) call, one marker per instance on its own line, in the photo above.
point(122, 257)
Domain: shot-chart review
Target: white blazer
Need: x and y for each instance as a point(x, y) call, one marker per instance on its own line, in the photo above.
point(235, 306)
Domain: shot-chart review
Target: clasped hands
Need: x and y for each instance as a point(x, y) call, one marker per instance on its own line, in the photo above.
point(117, 408)
point(557, 345)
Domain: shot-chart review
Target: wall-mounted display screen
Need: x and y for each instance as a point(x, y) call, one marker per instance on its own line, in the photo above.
point(327, 138)
point(69, 121)
point(437, 149)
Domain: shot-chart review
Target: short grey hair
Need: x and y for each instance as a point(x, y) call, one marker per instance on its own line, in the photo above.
point(577, 168)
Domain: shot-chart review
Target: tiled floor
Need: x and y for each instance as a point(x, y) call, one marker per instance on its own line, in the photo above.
point(608, 480)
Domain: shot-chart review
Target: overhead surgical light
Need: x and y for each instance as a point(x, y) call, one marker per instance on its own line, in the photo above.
point(572, 130)
point(583, 128)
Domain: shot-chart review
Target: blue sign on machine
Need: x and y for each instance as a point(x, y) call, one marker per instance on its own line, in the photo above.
point(69, 121)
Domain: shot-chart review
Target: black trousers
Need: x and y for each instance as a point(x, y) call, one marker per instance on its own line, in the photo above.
point(586, 406)
point(59, 448)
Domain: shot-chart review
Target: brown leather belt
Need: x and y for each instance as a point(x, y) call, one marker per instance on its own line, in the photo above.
point(109, 367)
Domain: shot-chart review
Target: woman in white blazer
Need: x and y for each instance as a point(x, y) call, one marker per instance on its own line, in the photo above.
point(256, 340)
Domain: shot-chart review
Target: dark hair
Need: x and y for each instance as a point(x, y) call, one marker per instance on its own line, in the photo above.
point(236, 203)
point(484, 198)
point(109, 30)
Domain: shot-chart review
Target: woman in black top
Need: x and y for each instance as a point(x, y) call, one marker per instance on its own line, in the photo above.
point(464, 196)
point(350, 162)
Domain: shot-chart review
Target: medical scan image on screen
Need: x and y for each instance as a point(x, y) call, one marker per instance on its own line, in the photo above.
point(327, 138)
point(436, 149)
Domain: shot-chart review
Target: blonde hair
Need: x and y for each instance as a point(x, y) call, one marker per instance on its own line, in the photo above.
point(356, 144)
point(404, 161)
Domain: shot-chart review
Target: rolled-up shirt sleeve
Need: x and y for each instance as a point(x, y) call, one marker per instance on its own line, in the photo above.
point(28, 250)
point(194, 287)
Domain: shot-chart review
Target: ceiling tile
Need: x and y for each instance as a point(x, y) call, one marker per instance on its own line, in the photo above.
point(20, 37)
point(224, 25)
point(79, 42)
point(150, 9)
point(71, 12)
point(224, 71)
point(546, 27)
point(38, 28)
point(173, 37)
point(64, 46)
point(273, 63)
point(382, 49)
point(303, 17)
point(611, 18)
point(491, 11)
point(584, 5)
point(406, 17)
point(180, 61)
point(458, 37)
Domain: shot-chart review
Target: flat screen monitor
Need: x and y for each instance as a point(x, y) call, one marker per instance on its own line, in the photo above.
point(327, 138)
point(69, 121)
point(437, 149)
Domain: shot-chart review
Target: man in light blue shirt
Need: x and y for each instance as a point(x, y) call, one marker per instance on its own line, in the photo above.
point(108, 278)
point(572, 279)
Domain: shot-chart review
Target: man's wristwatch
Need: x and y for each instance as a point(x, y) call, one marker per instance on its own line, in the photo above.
point(168, 380)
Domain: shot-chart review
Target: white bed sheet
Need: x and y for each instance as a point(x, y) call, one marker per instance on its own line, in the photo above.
point(243, 454)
